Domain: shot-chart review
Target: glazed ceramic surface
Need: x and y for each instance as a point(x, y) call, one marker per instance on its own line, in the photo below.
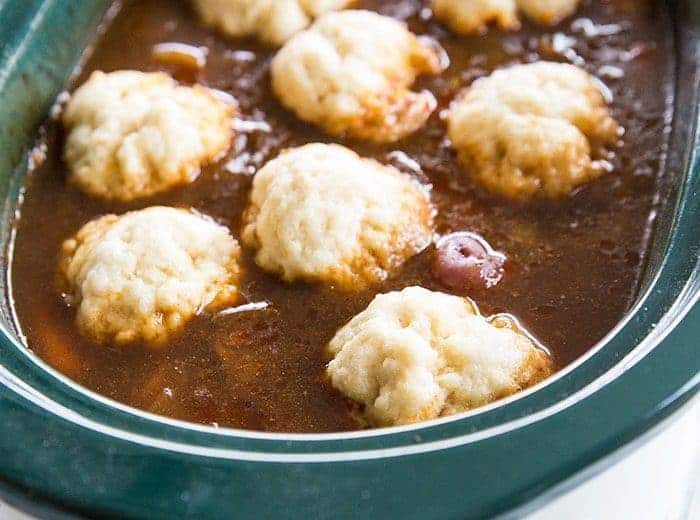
point(65, 449)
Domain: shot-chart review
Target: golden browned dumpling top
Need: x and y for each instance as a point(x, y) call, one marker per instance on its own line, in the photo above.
point(322, 213)
point(273, 21)
point(351, 72)
point(533, 130)
point(416, 354)
point(473, 16)
point(133, 134)
point(140, 276)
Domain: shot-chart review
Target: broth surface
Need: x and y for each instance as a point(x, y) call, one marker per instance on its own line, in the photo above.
point(573, 265)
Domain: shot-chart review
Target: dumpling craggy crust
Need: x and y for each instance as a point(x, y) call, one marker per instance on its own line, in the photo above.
point(273, 21)
point(142, 275)
point(548, 12)
point(473, 16)
point(351, 72)
point(322, 213)
point(416, 354)
point(530, 130)
point(133, 134)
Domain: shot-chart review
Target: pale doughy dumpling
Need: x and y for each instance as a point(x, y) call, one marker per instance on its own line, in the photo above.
point(474, 16)
point(417, 354)
point(140, 276)
point(133, 134)
point(532, 130)
point(351, 74)
point(273, 21)
point(322, 213)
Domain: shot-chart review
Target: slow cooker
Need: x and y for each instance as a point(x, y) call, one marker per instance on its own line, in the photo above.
point(64, 449)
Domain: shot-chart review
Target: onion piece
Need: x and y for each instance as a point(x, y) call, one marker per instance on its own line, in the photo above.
point(181, 55)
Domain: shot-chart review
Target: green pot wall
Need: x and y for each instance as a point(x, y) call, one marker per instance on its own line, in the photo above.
point(63, 449)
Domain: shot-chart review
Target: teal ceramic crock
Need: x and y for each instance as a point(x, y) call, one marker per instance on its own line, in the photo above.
point(65, 451)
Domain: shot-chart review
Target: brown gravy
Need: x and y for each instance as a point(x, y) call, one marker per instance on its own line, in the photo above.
point(573, 265)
